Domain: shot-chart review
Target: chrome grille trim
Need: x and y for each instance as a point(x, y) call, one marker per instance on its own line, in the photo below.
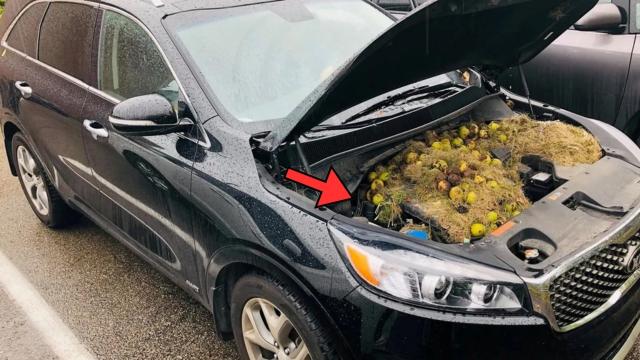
point(589, 285)
point(540, 286)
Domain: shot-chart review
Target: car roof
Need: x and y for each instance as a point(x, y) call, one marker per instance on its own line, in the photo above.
point(169, 7)
point(145, 10)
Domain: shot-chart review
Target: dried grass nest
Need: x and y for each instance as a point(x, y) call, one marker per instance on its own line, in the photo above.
point(452, 178)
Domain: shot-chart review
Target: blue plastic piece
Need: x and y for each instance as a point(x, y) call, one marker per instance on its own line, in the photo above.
point(418, 234)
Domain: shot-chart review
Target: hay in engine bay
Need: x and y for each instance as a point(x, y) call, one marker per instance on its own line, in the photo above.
point(420, 178)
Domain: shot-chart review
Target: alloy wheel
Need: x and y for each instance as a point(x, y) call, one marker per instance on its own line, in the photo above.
point(33, 181)
point(269, 334)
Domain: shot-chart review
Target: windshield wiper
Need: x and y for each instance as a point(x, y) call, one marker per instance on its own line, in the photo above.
point(368, 117)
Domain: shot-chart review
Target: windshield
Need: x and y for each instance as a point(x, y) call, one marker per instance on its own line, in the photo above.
point(261, 61)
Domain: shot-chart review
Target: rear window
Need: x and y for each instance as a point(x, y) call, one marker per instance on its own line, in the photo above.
point(24, 35)
point(66, 38)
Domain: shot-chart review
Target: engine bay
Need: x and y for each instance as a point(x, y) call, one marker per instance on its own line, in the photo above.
point(458, 184)
point(460, 181)
point(451, 178)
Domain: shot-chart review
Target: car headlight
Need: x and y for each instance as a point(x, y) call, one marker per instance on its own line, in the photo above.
point(436, 279)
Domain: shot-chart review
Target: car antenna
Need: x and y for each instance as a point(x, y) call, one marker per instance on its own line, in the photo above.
point(523, 78)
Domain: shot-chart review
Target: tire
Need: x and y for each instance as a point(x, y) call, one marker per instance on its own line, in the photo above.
point(58, 213)
point(266, 291)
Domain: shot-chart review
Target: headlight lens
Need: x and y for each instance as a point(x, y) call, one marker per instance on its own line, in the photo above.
point(439, 280)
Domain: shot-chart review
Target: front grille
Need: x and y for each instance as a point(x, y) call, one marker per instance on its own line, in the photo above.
point(590, 284)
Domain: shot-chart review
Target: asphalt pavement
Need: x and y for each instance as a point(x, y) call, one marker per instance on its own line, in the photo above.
point(117, 306)
point(114, 303)
point(18, 338)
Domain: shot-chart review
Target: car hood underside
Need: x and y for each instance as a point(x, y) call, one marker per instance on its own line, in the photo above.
point(440, 36)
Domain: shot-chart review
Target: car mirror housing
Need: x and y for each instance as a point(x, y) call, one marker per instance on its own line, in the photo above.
point(145, 114)
point(602, 17)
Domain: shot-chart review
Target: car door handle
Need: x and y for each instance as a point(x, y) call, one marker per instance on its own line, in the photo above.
point(24, 89)
point(95, 129)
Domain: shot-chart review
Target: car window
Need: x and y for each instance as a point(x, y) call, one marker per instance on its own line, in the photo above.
point(129, 63)
point(24, 35)
point(66, 37)
point(261, 62)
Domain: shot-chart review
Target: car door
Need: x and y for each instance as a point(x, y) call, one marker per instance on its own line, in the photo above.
point(145, 179)
point(50, 87)
point(582, 71)
point(628, 119)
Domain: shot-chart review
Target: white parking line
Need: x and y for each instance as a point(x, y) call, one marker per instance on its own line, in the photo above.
point(55, 333)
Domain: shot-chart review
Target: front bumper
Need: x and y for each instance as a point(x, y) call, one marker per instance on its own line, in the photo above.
point(627, 346)
point(377, 331)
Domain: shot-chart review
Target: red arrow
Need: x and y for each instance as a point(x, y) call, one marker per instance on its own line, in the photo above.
point(332, 189)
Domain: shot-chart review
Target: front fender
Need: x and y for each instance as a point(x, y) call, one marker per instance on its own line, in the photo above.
point(231, 262)
point(250, 258)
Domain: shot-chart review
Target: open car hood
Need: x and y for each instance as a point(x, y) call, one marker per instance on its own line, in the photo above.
point(439, 36)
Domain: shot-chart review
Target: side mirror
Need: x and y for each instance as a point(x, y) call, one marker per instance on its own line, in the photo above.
point(146, 115)
point(601, 18)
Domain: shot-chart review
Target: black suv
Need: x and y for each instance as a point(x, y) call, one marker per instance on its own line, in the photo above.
point(173, 124)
